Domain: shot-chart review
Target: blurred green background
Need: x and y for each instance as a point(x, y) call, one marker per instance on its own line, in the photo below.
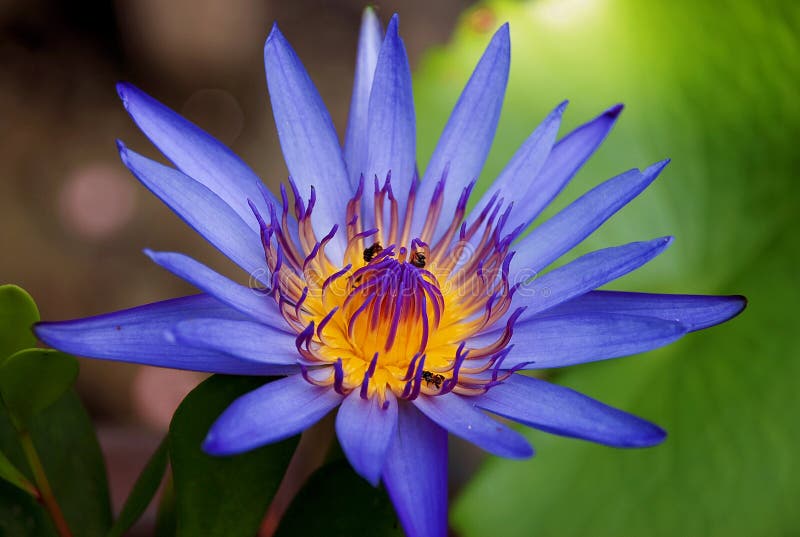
point(716, 87)
point(713, 85)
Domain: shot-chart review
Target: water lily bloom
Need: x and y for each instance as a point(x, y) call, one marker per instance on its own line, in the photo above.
point(375, 290)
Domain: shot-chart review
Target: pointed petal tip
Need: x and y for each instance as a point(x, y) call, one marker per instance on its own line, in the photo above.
point(658, 245)
point(742, 303)
point(123, 153)
point(211, 445)
point(373, 480)
point(654, 170)
point(501, 43)
point(736, 304)
point(615, 111)
point(664, 241)
point(654, 436)
point(394, 25)
point(216, 446)
point(40, 330)
point(369, 13)
point(525, 453)
point(646, 435)
point(134, 100)
point(123, 90)
point(52, 334)
point(503, 33)
point(152, 254)
point(521, 450)
point(275, 34)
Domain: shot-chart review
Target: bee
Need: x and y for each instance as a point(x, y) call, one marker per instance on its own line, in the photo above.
point(433, 378)
point(372, 251)
point(418, 259)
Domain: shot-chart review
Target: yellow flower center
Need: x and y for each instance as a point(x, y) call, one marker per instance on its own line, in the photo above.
point(392, 318)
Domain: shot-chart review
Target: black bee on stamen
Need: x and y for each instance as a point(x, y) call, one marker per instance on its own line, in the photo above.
point(372, 251)
point(433, 378)
point(418, 259)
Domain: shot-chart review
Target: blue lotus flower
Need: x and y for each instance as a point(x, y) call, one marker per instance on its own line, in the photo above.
point(379, 292)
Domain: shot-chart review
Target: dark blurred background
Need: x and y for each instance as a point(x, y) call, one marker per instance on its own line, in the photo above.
point(714, 85)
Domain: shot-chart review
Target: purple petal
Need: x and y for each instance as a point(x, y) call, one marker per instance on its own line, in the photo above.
point(365, 430)
point(196, 153)
point(356, 140)
point(458, 415)
point(578, 220)
point(581, 275)
point(308, 139)
point(565, 412)
point(468, 135)
point(517, 182)
point(566, 158)
point(137, 335)
point(251, 302)
point(243, 339)
point(273, 412)
point(696, 312)
point(577, 338)
point(202, 209)
point(391, 129)
point(415, 474)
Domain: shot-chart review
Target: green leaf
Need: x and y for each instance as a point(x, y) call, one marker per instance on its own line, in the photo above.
point(720, 99)
point(66, 442)
point(143, 491)
point(33, 379)
point(18, 312)
point(342, 504)
point(13, 475)
point(221, 496)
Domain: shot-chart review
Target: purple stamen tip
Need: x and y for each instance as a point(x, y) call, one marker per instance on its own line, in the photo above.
point(417, 380)
point(338, 377)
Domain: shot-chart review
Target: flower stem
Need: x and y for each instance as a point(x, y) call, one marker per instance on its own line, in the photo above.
point(45, 497)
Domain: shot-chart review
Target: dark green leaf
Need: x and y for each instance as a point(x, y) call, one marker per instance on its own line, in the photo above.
point(143, 491)
point(18, 312)
point(221, 496)
point(336, 502)
point(65, 440)
point(33, 379)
